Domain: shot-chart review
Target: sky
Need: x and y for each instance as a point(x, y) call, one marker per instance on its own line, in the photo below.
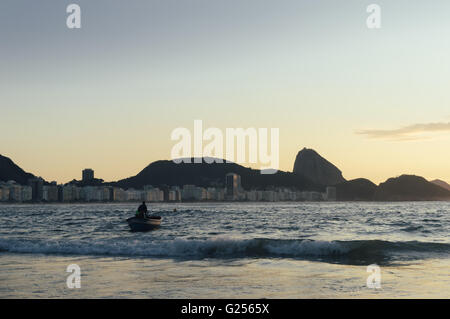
point(375, 102)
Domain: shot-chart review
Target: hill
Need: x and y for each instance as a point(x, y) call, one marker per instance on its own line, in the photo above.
point(316, 168)
point(442, 184)
point(11, 172)
point(166, 172)
point(360, 189)
point(410, 187)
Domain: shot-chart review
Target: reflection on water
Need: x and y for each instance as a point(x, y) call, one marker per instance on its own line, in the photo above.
point(38, 276)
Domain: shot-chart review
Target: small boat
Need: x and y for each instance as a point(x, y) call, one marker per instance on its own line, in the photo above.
point(143, 224)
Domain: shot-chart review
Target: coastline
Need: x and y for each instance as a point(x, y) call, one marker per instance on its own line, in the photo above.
point(219, 202)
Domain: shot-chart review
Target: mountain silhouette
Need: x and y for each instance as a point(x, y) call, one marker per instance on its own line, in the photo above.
point(360, 189)
point(11, 172)
point(410, 187)
point(167, 173)
point(441, 183)
point(316, 168)
point(203, 174)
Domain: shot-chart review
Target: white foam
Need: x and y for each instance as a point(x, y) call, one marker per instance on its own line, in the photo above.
point(229, 248)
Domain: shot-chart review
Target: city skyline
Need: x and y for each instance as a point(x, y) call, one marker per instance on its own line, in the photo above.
point(108, 96)
point(89, 190)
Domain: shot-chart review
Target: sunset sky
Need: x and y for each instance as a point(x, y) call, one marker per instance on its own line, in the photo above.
point(376, 103)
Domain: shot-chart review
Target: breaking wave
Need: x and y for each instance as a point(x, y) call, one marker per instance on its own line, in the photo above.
point(351, 252)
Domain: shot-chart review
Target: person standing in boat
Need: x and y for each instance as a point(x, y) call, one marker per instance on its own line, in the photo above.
point(142, 211)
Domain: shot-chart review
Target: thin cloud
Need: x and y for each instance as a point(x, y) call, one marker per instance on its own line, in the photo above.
point(407, 133)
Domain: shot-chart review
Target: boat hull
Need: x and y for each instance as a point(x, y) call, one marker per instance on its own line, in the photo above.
point(143, 224)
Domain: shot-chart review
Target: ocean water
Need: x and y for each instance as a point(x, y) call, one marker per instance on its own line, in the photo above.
point(227, 250)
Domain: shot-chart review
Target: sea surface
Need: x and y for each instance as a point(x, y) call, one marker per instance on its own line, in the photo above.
point(227, 250)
